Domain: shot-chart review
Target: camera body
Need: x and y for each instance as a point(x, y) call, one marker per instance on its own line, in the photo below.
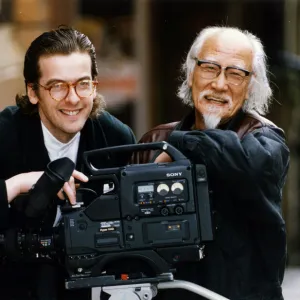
point(158, 214)
point(154, 216)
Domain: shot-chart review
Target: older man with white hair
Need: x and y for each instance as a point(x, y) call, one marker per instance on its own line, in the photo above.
point(246, 157)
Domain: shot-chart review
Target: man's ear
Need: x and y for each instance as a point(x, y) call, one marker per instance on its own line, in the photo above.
point(248, 92)
point(33, 98)
point(94, 93)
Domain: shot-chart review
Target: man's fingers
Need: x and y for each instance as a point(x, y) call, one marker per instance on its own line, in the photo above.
point(72, 184)
point(61, 195)
point(163, 157)
point(69, 189)
point(80, 176)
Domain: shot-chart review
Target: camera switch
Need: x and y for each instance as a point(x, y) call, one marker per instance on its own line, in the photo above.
point(178, 210)
point(176, 257)
point(164, 211)
point(82, 226)
point(129, 237)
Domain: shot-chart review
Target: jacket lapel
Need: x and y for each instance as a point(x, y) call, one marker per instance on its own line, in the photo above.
point(187, 122)
point(35, 155)
point(234, 123)
point(92, 137)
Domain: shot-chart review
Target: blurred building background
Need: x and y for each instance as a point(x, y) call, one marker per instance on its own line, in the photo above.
point(140, 46)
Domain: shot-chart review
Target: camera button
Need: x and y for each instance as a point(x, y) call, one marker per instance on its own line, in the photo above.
point(164, 211)
point(82, 226)
point(178, 210)
point(129, 237)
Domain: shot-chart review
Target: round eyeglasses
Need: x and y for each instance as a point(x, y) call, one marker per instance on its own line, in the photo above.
point(211, 70)
point(60, 90)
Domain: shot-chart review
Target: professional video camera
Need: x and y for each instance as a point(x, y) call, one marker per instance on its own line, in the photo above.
point(153, 216)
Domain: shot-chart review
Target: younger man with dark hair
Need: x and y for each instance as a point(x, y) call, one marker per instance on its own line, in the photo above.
point(60, 116)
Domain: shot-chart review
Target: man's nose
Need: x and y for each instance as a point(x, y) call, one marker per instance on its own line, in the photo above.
point(220, 82)
point(72, 96)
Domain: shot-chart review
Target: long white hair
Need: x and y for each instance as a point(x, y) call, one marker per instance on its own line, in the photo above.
point(260, 92)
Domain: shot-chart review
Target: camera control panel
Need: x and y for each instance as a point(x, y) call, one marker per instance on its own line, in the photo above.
point(163, 197)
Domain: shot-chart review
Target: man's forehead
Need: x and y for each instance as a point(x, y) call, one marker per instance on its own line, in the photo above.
point(228, 46)
point(65, 67)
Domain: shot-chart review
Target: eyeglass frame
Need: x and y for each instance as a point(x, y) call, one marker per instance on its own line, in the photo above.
point(247, 73)
point(69, 84)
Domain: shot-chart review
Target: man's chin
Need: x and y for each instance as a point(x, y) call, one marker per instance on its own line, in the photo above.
point(211, 121)
point(72, 130)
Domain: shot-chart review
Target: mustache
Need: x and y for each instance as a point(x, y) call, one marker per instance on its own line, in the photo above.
point(212, 94)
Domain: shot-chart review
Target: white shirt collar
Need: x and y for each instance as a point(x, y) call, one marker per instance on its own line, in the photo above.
point(57, 149)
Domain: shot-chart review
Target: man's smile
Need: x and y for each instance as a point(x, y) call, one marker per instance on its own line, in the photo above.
point(70, 112)
point(217, 100)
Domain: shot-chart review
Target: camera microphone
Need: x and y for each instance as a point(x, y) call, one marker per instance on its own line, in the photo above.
point(46, 188)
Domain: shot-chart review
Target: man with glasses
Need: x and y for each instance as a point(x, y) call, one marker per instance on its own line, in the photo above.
point(226, 85)
point(61, 115)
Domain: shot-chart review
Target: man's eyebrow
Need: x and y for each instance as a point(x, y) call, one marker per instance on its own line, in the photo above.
point(54, 80)
point(208, 60)
point(237, 67)
point(229, 66)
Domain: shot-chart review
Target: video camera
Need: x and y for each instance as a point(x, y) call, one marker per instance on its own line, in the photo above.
point(152, 216)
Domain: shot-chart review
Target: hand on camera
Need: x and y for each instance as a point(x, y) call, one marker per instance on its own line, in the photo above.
point(69, 188)
point(163, 158)
point(22, 183)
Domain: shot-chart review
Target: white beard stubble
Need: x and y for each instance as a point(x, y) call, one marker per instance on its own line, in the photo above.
point(213, 116)
point(211, 120)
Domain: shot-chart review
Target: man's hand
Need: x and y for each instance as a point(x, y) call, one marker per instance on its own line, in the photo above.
point(163, 158)
point(22, 183)
point(69, 187)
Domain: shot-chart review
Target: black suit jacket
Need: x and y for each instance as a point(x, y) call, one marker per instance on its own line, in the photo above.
point(22, 150)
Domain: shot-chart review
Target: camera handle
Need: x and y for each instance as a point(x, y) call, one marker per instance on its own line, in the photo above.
point(105, 153)
point(146, 291)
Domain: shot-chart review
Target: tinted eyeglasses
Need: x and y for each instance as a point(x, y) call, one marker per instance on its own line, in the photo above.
point(60, 90)
point(211, 70)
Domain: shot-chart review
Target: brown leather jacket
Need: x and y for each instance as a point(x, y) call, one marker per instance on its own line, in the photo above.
point(242, 124)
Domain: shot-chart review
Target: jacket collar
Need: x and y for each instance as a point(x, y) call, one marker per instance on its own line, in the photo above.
point(233, 124)
point(35, 155)
point(92, 137)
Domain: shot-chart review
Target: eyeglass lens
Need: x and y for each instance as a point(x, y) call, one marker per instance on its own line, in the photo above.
point(83, 88)
point(233, 75)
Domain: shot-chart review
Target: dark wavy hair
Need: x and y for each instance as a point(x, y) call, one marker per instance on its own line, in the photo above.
point(63, 40)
